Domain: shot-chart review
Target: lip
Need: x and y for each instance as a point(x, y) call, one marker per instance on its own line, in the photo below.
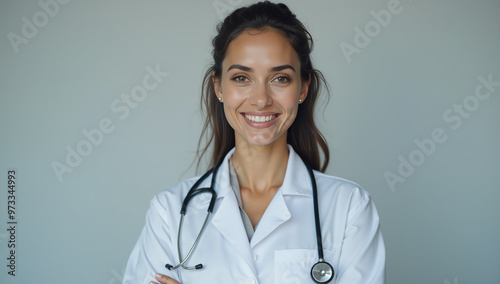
point(260, 124)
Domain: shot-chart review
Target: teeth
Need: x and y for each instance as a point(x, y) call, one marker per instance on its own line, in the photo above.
point(256, 118)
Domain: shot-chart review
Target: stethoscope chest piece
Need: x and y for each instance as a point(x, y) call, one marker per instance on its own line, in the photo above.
point(322, 272)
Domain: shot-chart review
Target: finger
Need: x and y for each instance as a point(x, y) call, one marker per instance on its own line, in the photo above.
point(165, 279)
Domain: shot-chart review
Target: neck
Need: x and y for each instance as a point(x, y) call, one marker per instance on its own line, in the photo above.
point(260, 168)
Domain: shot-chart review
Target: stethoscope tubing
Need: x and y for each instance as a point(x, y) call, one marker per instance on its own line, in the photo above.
point(321, 272)
point(193, 191)
point(195, 244)
point(317, 224)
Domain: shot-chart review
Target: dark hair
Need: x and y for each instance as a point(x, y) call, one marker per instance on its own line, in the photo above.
point(303, 135)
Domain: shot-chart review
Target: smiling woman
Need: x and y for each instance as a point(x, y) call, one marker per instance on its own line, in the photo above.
point(259, 87)
point(274, 217)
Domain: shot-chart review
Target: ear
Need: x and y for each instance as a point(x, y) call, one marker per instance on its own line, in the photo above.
point(305, 89)
point(217, 86)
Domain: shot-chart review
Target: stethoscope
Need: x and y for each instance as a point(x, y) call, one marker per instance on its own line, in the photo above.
point(321, 271)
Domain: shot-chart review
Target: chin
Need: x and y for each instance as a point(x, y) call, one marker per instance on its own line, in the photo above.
point(261, 141)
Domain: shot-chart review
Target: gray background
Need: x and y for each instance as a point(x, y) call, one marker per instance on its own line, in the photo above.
point(441, 225)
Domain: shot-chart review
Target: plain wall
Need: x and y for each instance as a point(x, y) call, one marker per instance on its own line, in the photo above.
point(417, 76)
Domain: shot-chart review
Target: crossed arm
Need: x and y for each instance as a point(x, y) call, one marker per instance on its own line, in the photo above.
point(164, 279)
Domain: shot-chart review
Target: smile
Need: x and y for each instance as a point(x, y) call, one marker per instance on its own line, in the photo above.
point(257, 118)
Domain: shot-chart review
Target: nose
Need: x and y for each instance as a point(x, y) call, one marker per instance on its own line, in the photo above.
point(261, 96)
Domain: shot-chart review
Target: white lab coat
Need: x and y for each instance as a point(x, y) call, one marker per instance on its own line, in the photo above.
point(283, 247)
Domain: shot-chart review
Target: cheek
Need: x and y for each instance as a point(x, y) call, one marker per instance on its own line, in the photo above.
point(232, 101)
point(228, 112)
point(231, 106)
point(292, 102)
point(233, 95)
point(289, 100)
point(288, 95)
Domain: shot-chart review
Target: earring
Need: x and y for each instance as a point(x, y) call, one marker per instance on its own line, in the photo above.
point(300, 100)
point(220, 99)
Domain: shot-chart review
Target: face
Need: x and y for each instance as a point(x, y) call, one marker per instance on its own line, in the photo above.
point(260, 86)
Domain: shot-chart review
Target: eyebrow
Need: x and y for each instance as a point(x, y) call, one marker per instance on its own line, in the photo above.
point(273, 69)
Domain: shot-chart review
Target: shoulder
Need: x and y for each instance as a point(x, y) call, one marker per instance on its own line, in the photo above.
point(328, 186)
point(341, 190)
point(170, 200)
point(345, 201)
point(173, 197)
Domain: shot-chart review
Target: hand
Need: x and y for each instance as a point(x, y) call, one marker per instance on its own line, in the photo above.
point(164, 279)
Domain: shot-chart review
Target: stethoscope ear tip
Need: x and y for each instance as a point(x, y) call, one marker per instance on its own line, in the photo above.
point(198, 266)
point(168, 266)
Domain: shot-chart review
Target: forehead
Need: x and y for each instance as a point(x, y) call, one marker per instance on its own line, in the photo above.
point(255, 47)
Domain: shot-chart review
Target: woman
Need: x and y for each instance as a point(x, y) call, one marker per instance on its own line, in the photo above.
point(259, 96)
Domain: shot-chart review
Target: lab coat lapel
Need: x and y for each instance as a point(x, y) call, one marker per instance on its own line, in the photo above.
point(276, 214)
point(227, 218)
point(297, 182)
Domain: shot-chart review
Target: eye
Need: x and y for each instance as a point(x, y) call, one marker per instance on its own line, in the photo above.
point(239, 78)
point(282, 79)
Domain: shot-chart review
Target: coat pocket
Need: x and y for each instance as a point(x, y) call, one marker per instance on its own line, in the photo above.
point(293, 266)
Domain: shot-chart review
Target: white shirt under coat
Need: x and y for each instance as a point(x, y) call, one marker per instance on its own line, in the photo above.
point(283, 248)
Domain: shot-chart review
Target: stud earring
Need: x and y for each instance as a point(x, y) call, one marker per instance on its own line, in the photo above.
point(300, 100)
point(220, 99)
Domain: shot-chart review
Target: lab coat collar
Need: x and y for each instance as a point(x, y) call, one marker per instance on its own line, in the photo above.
point(296, 182)
point(227, 219)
